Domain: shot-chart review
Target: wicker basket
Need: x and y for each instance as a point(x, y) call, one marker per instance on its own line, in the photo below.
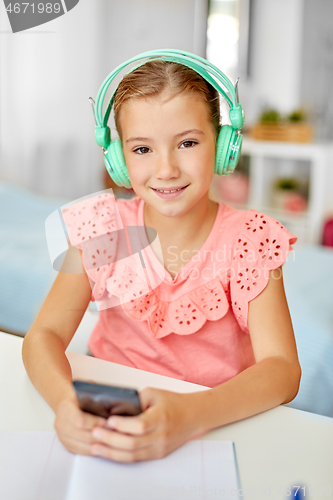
point(285, 132)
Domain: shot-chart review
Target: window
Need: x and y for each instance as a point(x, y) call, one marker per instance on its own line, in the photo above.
point(223, 36)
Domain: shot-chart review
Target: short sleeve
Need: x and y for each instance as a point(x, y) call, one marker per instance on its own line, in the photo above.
point(94, 225)
point(262, 245)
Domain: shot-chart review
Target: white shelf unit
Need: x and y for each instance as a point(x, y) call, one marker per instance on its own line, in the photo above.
point(311, 161)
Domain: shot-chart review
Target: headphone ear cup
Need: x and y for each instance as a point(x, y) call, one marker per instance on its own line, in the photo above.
point(222, 148)
point(115, 158)
point(235, 150)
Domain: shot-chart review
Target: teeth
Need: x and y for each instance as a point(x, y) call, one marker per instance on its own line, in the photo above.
point(160, 191)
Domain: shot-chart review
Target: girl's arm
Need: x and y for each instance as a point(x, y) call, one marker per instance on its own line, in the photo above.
point(46, 363)
point(172, 419)
point(45, 343)
point(275, 377)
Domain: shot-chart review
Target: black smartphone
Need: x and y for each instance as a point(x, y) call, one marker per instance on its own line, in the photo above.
point(107, 400)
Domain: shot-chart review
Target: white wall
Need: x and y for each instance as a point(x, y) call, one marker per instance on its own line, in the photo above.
point(46, 121)
point(317, 72)
point(276, 49)
point(48, 73)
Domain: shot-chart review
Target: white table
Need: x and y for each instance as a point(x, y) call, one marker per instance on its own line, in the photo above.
point(275, 450)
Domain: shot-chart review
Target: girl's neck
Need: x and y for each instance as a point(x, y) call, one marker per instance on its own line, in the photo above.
point(184, 229)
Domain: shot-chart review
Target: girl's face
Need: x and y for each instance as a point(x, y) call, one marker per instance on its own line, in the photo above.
point(169, 143)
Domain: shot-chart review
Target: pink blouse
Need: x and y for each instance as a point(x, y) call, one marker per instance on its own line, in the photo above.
point(193, 327)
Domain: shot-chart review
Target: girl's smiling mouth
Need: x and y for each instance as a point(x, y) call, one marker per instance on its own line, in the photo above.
point(169, 193)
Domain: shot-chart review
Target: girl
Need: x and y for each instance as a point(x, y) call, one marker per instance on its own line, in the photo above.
point(217, 313)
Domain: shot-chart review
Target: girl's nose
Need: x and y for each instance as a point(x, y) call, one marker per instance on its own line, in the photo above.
point(166, 166)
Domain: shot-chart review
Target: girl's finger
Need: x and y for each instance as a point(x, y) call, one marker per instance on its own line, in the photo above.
point(76, 445)
point(127, 456)
point(71, 413)
point(87, 421)
point(149, 396)
point(119, 440)
point(83, 436)
point(145, 423)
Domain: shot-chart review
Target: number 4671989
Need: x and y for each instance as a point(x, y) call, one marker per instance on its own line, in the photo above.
point(34, 7)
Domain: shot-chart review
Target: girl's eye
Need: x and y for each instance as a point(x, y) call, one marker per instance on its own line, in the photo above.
point(142, 151)
point(188, 144)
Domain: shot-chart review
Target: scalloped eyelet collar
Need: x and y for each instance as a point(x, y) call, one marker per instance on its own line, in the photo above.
point(183, 273)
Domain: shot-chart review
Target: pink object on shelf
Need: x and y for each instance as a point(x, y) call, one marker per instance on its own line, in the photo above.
point(234, 188)
point(328, 233)
point(295, 202)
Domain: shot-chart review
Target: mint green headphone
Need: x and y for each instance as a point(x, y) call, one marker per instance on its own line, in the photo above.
point(229, 140)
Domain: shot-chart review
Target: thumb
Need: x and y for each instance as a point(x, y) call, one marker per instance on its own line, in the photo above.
point(150, 397)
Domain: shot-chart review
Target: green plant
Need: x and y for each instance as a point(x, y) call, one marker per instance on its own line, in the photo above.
point(286, 183)
point(270, 116)
point(298, 115)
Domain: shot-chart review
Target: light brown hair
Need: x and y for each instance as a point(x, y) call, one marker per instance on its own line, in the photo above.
point(152, 78)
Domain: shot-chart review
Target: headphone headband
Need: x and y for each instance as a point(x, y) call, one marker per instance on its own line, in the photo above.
point(197, 63)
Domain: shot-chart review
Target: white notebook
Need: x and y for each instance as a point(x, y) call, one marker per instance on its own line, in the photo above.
point(36, 466)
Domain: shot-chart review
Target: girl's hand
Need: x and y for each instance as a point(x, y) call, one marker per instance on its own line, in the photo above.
point(74, 426)
point(168, 421)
